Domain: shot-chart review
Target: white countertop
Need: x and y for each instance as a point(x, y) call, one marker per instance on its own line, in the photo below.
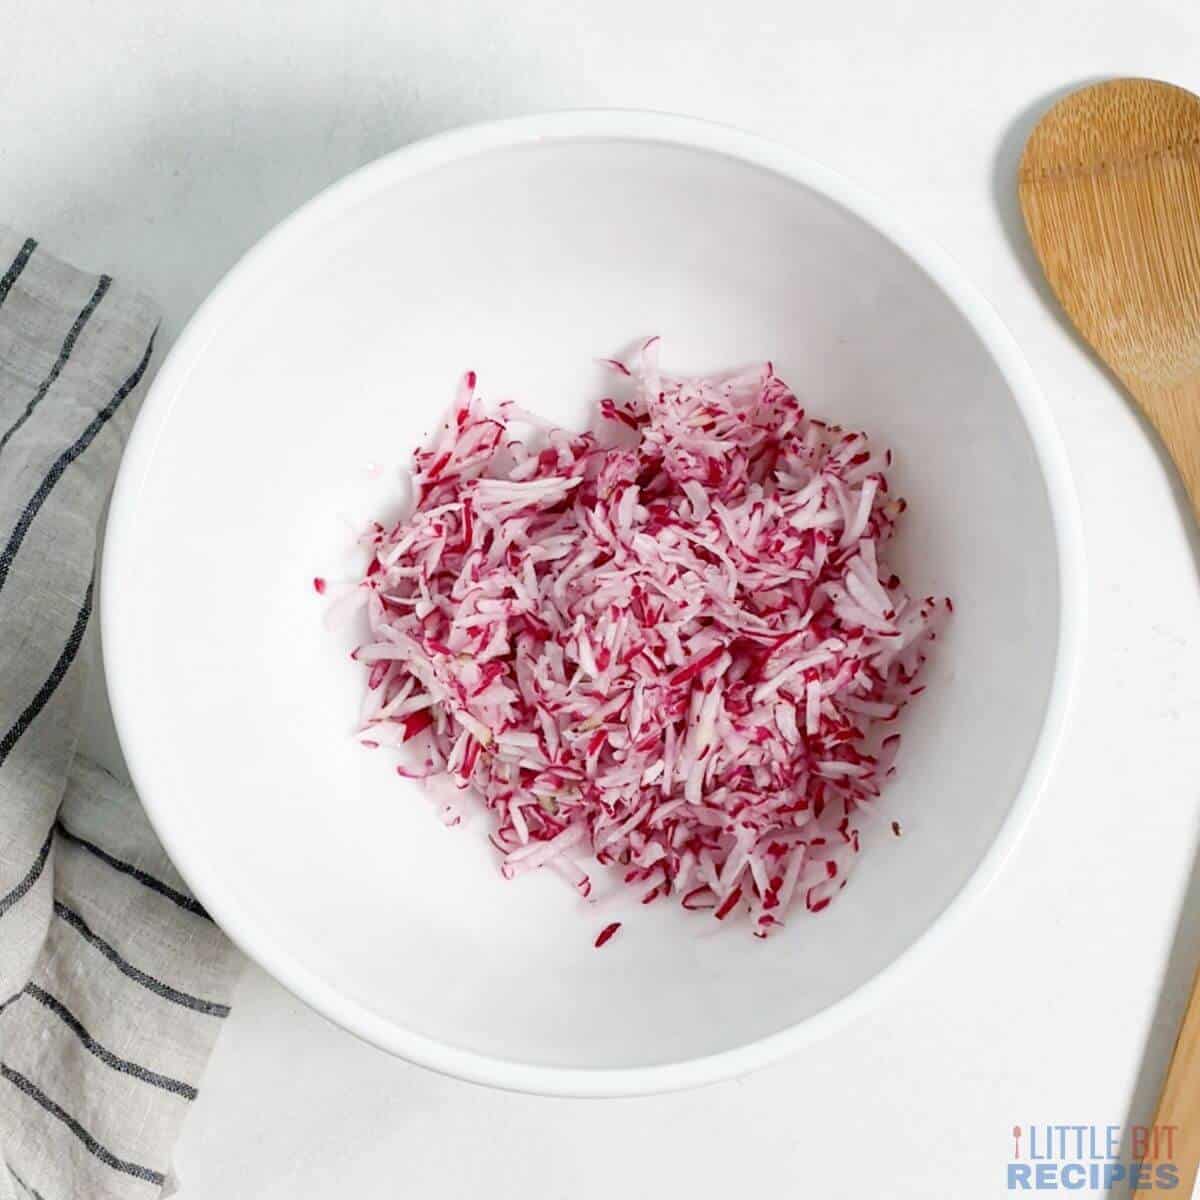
point(158, 141)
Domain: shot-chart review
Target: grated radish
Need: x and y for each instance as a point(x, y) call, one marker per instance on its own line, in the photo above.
point(675, 647)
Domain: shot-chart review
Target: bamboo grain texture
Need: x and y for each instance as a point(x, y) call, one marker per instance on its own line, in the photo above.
point(1109, 186)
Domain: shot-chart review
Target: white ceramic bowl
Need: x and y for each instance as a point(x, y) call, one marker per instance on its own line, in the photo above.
point(523, 249)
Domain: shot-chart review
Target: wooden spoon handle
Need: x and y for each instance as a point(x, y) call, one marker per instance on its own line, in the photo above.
point(1175, 413)
point(1177, 1118)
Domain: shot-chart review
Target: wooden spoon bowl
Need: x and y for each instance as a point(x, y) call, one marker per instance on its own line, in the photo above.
point(1110, 188)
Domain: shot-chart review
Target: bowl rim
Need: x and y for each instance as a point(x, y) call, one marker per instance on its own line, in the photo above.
point(118, 630)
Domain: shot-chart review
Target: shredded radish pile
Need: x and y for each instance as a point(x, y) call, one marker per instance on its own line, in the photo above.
point(674, 647)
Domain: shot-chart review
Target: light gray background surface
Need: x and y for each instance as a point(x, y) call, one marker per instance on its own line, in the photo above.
point(158, 141)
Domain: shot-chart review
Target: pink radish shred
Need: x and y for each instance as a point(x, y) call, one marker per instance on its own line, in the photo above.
point(675, 647)
point(606, 933)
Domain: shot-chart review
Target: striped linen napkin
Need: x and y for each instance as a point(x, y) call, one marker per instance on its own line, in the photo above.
point(113, 980)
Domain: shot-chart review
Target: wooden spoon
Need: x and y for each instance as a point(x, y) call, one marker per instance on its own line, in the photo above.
point(1110, 188)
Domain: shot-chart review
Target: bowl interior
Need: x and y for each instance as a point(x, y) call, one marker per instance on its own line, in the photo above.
point(338, 347)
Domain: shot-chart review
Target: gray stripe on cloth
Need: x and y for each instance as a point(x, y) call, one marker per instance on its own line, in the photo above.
point(34, 874)
point(48, 688)
point(106, 1056)
point(24, 1186)
point(98, 807)
point(68, 456)
point(64, 355)
point(184, 999)
point(18, 265)
point(183, 900)
point(35, 1093)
